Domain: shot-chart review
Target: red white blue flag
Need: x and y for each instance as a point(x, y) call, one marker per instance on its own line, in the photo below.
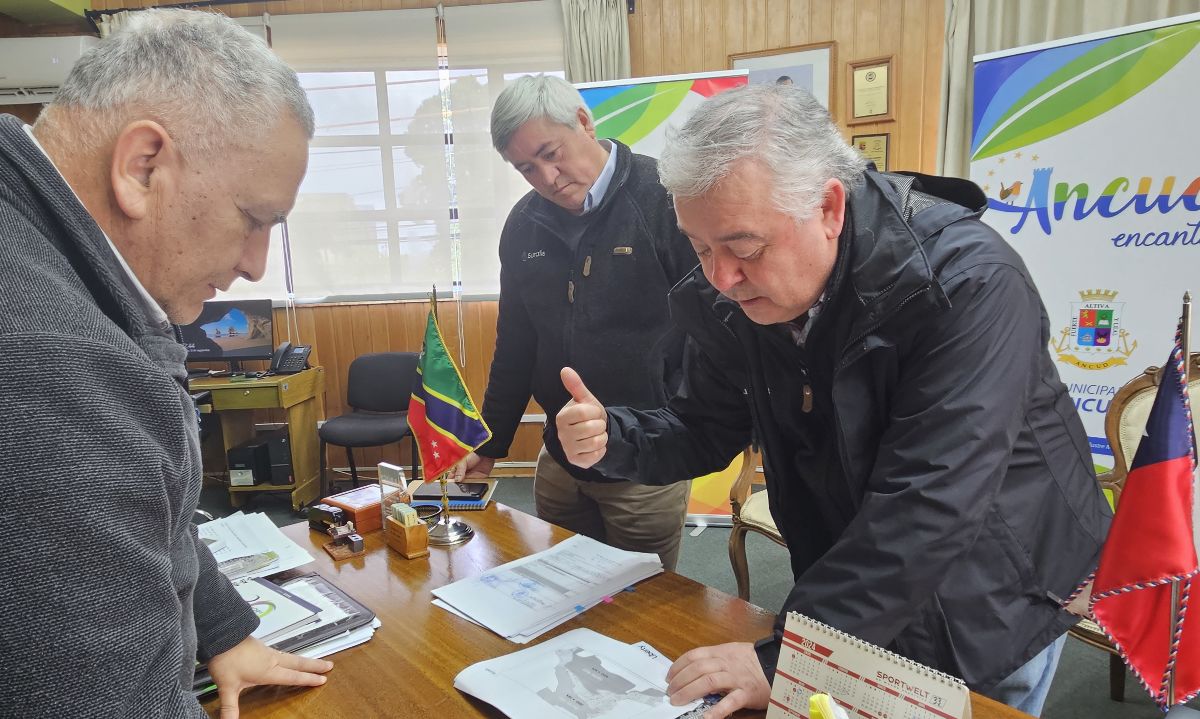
point(1152, 545)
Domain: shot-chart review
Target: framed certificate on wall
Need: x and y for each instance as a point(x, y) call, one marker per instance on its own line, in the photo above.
point(870, 91)
point(874, 148)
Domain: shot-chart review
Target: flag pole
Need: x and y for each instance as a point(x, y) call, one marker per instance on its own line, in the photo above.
point(447, 529)
point(1176, 590)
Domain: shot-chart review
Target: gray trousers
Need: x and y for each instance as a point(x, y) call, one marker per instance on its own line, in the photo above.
point(625, 515)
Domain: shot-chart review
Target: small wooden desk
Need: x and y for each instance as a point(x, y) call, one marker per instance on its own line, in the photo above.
point(300, 395)
point(408, 668)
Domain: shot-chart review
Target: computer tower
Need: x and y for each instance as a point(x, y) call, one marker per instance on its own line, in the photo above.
point(279, 456)
point(266, 458)
point(248, 463)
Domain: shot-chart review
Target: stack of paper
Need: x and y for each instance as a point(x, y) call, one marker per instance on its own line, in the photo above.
point(250, 545)
point(337, 620)
point(336, 611)
point(525, 598)
point(578, 674)
point(279, 611)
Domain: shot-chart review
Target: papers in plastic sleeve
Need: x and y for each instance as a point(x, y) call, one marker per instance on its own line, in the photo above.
point(527, 597)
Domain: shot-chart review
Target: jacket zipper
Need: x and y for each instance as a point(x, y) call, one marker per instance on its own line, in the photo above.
point(847, 358)
point(747, 391)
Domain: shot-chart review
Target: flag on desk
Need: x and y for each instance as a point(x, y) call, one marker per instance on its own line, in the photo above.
point(441, 413)
point(1152, 543)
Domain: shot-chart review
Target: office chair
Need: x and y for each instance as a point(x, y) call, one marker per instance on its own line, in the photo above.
point(1124, 424)
point(377, 389)
point(750, 514)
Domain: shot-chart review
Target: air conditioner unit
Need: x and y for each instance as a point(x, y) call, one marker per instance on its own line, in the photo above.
point(32, 68)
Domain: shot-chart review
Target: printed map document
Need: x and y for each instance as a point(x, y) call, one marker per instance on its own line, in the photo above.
point(531, 595)
point(578, 675)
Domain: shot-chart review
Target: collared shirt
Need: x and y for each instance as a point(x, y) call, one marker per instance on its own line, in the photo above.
point(152, 307)
point(595, 195)
point(799, 330)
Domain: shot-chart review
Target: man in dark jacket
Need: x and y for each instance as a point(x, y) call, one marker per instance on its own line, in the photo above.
point(887, 351)
point(586, 261)
point(150, 182)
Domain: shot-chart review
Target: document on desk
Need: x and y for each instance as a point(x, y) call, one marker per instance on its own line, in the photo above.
point(531, 595)
point(250, 537)
point(578, 675)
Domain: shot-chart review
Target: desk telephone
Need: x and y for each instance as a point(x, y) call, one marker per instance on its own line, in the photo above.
point(290, 359)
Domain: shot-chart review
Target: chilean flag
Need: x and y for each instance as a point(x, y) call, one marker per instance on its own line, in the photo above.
point(1152, 544)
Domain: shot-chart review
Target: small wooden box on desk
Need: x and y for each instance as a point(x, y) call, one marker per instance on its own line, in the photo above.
point(301, 396)
point(410, 542)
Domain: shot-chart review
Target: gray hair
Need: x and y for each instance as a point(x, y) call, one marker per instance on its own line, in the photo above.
point(202, 76)
point(783, 127)
point(531, 97)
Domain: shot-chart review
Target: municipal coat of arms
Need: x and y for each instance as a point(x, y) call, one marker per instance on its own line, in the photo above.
point(1095, 339)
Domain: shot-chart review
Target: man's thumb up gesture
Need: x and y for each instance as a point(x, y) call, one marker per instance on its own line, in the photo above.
point(582, 423)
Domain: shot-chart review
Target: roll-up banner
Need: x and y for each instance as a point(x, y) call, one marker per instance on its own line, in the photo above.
point(1086, 150)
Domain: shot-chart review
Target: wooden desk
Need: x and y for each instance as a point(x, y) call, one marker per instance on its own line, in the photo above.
point(301, 396)
point(408, 668)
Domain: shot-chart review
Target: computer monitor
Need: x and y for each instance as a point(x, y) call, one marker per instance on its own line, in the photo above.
point(230, 331)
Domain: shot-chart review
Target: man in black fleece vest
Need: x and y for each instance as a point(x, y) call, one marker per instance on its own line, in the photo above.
point(586, 260)
point(149, 183)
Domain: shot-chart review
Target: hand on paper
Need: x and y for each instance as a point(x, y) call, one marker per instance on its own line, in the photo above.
point(729, 669)
point(252, 663)
point(472, 467)
point(582, 423)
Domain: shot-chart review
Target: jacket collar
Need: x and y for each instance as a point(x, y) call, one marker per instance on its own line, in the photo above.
point(543, 211)
point(39, 192)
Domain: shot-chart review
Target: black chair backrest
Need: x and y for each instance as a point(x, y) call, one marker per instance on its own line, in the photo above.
point(382, 381)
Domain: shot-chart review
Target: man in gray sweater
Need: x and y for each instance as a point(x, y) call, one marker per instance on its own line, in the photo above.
point(151, 182)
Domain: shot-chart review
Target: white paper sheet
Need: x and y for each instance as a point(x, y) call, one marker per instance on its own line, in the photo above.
point(578, 675)
point(329, 613)
point(525, 597)
point(243, 535)
point(352, 638)
point(531, 633)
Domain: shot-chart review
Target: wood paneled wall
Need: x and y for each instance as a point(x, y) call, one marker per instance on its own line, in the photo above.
point(28, 112)
point(678, 36)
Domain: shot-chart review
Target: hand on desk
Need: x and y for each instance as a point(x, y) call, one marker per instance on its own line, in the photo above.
point(472, 467)
point(729, 669)
point(252, 663)
point(582, 423)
